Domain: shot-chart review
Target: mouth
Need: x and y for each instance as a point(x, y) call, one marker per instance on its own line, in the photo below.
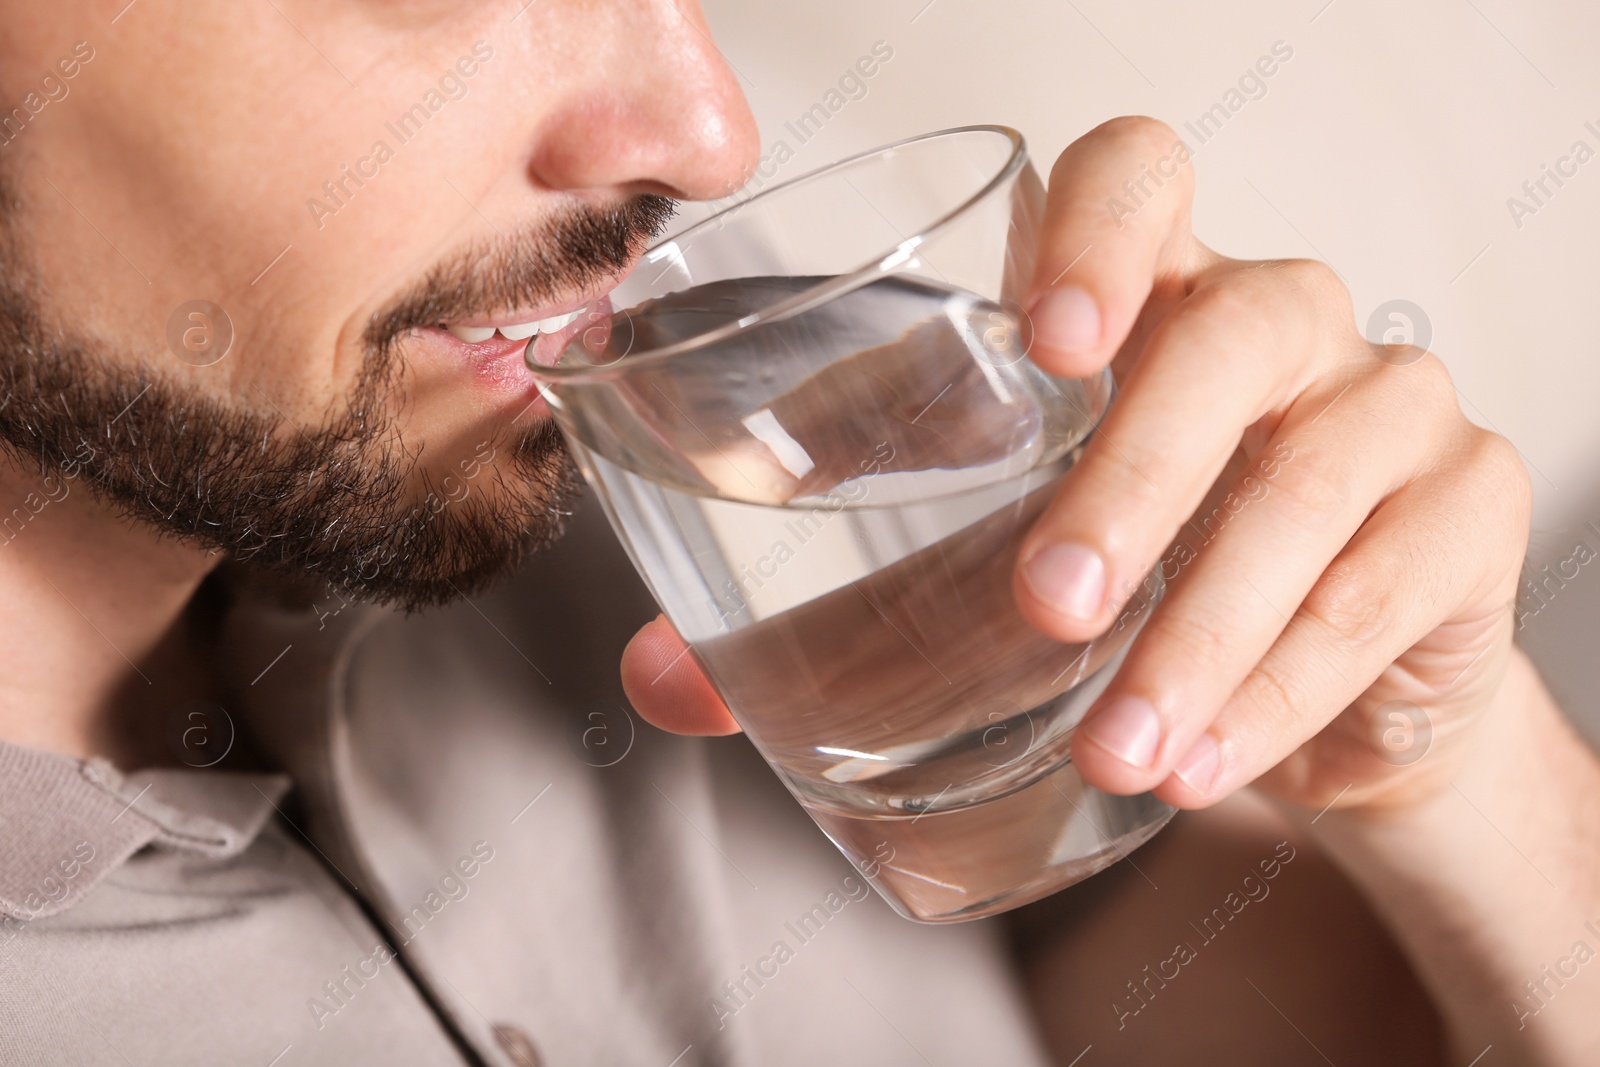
point(496, 349)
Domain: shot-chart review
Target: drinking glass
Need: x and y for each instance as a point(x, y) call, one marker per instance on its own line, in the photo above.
point(812, 423)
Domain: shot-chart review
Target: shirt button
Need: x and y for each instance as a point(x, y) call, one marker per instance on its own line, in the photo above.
point(516, 1044)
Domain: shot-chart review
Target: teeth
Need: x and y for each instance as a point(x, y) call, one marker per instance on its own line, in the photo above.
point(557, 322)
point(520, 332)
point(472, 334)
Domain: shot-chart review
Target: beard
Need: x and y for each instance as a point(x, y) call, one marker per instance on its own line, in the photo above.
point(347, 503)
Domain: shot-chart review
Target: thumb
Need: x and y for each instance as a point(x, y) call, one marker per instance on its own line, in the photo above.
point(666, 686)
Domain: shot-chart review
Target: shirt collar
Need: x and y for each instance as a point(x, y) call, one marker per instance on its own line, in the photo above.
point(65, 823)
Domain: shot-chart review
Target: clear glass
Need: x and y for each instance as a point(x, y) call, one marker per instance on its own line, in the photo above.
point(812, 423)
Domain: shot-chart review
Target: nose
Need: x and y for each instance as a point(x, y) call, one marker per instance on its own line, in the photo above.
point(646, 104)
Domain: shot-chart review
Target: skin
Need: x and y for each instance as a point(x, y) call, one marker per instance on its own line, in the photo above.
point(159, 180)
point(153, 183)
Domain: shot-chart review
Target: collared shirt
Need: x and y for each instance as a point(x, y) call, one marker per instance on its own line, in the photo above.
point(474, 853)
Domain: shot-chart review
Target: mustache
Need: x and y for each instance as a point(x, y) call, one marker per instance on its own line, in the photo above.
point(575, 249)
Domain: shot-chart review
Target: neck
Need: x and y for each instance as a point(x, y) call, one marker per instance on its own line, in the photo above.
point(98, 642)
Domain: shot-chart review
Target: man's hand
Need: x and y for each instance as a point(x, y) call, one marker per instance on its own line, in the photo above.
point(1341, 545)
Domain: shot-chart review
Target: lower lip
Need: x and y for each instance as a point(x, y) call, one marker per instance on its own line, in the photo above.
point(499, 363)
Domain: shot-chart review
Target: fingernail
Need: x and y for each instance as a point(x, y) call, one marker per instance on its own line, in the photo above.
point(1128, 728)
point(1070, 578)
point(1066, 318)
point(1198, 767)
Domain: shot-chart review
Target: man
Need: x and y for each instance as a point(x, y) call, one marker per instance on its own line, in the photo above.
point(268, 273)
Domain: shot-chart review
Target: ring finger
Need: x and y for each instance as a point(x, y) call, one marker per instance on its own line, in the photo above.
point(1306, 493)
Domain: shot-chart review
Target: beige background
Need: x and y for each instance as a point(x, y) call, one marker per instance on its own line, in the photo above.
point(1388, 146)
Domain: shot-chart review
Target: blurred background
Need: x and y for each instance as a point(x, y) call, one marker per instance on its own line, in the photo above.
point(1394, 143)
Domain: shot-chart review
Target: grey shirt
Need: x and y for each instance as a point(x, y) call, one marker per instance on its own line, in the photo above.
point(474, 853)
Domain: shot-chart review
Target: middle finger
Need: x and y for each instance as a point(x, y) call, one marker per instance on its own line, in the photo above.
point(1248, 565)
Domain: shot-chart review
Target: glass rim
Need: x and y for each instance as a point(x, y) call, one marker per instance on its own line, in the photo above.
point(827, 289)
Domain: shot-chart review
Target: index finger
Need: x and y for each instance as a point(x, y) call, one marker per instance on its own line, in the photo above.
point(1115, 230)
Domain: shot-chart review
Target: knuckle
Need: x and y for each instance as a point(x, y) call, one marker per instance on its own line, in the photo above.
point(1191, 638)
point(1353, 603)
point(1433, 387)
point(1232, 294)
point(1319, 288)
point(1228, 313)
point(1269, 691)
point(1314, 493)
point(1317, 280)
point(1417, 400)
point(1499, 465)
point(1501, 456)
point(1120, 474)
point(1257, 311)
